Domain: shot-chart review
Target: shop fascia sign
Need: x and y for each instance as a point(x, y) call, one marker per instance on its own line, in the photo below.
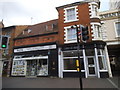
point(34, 48)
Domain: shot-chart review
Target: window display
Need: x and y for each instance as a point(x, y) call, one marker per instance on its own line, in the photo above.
point(18, 68)
point(42, 67)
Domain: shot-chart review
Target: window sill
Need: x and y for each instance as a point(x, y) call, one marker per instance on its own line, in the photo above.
point(71, 41)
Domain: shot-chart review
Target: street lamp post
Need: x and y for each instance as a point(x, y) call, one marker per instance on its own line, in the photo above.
point(78, 47)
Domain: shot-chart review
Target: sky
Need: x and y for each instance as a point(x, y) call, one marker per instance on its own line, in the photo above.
point(29, 12)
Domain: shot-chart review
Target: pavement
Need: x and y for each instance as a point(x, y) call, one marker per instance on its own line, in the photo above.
point(66, 83)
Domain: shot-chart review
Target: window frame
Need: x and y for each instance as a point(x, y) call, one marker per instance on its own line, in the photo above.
point(66, 17)
point(103, 58)
point(116, 31)
point(76, 57)
point(66, 36)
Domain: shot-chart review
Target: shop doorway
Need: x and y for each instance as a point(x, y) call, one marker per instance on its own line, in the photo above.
point(5, 68)
point(91, 66)
point(32, 68)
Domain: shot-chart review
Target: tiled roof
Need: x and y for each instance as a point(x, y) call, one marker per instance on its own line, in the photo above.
point(41, 28)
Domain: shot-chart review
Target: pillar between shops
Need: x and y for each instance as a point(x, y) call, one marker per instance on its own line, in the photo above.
point(108, 62)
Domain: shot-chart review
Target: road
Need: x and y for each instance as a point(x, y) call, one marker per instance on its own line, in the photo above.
point(47, 82)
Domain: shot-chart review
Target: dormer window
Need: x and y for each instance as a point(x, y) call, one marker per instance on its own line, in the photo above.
point(27, 31)
point(49, 27)
point(71, 14)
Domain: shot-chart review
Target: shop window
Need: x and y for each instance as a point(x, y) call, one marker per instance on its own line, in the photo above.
point(90, 52)
point(70, 14)
point(69, 64)
point(18, 68)
point(43, 67)
point(101, 59)
point(70, 58)
point(72, 53)
point(117, 28)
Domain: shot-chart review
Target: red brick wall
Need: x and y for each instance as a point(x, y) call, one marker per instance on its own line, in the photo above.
point(83, 16)
point(36, 40)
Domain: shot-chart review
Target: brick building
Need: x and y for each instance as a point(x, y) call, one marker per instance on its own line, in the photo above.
point(93, 53)
point(50, 48)
point(35, 51)
point(7, 53)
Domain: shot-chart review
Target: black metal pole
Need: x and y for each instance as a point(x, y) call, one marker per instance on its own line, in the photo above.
point(78, 47)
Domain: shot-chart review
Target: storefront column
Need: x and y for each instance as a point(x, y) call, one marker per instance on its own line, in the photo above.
point(85, 64)
point(97, 63)
point(60, 63)
point(108, 62)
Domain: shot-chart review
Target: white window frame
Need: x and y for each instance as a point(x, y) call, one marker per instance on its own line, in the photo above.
point(93, 13)
point(76, 16)
point(102, 55)
point(116, 28)
point(95, 32)
point(64, 58)
point(66, 34)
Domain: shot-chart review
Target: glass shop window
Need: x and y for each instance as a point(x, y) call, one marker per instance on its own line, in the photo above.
point(101, 59)
point(73, 53)
point(69, 64)
point(90, 52)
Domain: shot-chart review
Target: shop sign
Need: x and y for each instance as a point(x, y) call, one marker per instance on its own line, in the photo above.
point(35, 48)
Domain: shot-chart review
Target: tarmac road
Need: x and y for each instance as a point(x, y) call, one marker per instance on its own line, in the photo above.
point(47, 82)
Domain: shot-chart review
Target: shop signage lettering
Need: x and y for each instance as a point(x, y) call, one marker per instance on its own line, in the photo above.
point(35, 48)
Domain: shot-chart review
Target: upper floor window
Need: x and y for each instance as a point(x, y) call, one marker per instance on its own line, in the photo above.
point(70, 14)
point(97, 31)
point(117, 27)
point(93, 9)
point(71, 34)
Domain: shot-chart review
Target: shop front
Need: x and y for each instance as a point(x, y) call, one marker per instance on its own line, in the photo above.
point(35, 61)
point(93, 56)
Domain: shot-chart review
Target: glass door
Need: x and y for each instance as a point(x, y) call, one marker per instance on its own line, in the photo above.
point(32, 68)
point(91, 66)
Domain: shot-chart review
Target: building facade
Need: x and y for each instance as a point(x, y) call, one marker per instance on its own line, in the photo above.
point(114, 4)
point(35, 51)
point(111, 28)
point(93, 53)
point(7, 53)
point(50, 48)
